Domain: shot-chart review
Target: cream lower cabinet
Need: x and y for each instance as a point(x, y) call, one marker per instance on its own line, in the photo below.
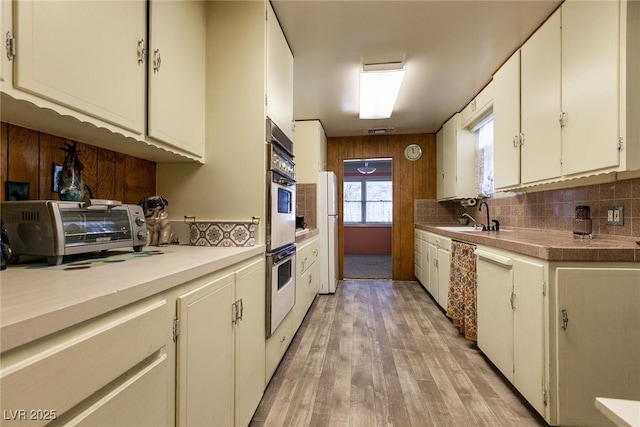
point(278, 343)
point(595, 325)
point(432, 256)
point(511, 311)
point(220, 349)
point(439, 271)
point(113, 370)
point(307, 278)
point(421, 256)
point(562, 333)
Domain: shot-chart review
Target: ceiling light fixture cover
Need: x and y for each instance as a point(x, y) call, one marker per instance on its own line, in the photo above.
point(379, 88)
point(366, 170)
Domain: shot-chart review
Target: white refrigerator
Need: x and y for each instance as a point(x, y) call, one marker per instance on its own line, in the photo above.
point(328, 229)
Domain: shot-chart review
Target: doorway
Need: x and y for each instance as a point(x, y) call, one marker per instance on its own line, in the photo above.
point(367, 218)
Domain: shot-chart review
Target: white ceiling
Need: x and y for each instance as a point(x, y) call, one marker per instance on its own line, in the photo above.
point(450, 49)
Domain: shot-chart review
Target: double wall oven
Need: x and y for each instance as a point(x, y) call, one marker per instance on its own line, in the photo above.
point(280, 228)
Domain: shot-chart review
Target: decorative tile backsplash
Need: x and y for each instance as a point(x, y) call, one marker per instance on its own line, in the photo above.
point(306, 203)
point(549, 210)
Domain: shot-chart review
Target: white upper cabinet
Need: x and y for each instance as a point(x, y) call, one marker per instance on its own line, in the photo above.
point(310, 149)
point(541, 145)
point(478, 109)
point(455, 156)
point(591, 85)
point(85, 56)
point(506, 124)
point(279, 97)
point(566, 103)
point(177, 74)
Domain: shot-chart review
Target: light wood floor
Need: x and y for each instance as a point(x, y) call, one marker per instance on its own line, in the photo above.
point(381, 353)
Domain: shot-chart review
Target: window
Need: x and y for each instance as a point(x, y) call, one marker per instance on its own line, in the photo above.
point(484, 163)
point(368, 201)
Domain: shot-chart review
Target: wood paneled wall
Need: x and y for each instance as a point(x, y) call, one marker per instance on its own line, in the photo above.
point(411, 180)
point(28, 156)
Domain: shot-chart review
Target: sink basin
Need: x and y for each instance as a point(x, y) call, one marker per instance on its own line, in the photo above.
point(461, 228)
point(466, 229)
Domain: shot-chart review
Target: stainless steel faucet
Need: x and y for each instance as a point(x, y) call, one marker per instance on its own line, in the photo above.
point(475, 224)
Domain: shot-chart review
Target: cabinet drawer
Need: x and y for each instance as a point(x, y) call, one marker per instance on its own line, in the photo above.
point(277, 345)
point(141, 400)
point(306, 256)
point(59, 372)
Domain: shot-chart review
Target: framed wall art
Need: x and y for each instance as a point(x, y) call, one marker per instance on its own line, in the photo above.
point(17, 190)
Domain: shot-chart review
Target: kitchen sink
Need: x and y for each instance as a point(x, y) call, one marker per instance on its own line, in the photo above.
point(466, 229)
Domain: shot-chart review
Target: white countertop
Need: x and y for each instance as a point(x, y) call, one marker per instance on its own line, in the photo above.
point(37, 300)
point(622, 412)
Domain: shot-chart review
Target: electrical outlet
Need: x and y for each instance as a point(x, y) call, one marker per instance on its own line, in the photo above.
point(615, 215)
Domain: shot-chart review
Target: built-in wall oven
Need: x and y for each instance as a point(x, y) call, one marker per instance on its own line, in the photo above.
point(280, 227)
point(281, 285)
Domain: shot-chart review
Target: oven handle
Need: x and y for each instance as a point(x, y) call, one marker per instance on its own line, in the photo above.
point(282, 256)
point(282, 180)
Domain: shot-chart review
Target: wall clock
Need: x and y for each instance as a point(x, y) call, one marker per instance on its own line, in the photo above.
point(413, 152)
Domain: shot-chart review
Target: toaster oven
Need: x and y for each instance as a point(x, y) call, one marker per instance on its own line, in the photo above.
point(55, 229)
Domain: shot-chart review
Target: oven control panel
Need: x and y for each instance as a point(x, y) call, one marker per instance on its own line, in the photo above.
point(281, 162)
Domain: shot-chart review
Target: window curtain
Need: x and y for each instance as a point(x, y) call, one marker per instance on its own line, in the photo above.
point(461, 304)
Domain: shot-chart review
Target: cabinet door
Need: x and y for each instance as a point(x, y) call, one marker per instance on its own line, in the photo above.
point(279, 75)
point(177, 74)
point(599, 346)
point(250, 347)
point(447, 167)
point(529, 331)
point(444, 264)
point(540, 104)
point(495, 315)
point(506, 123)
point(82, 55)
point(591, 84)
point(310, 147)
point(205, 355)
point(440, 190)
point(432, 283)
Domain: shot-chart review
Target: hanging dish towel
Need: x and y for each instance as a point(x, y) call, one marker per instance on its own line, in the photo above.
point(461, 304)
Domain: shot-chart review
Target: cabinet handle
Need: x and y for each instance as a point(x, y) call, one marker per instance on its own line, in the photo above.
point(565, 319)
point(310, 279)
point(142, 51)
point(282, 339)
point(521, 137)
point(515, 141)
point(241, 308)
point(512, 299)
point(561, 119)
point(157, 60)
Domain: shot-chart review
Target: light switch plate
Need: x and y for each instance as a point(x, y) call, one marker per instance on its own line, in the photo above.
point(615, 215)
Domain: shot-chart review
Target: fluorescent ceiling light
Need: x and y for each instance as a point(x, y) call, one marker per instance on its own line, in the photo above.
point(379, 88)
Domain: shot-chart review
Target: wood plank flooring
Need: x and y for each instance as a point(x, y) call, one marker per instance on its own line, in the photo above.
point(382, 353)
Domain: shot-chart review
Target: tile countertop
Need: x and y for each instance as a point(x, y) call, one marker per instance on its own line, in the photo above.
point(304, 234)
point(37, 300)
point(544, 244)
